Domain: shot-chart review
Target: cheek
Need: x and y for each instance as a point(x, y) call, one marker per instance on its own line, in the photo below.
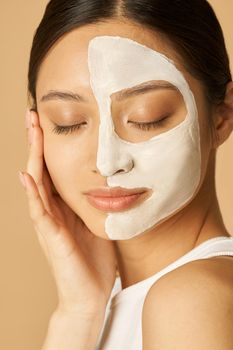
point(66, 161)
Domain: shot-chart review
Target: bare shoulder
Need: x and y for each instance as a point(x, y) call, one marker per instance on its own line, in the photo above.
point(191, 307)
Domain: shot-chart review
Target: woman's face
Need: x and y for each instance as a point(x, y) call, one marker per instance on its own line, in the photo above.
point(161, 157)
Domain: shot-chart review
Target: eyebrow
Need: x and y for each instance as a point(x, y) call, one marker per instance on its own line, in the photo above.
point(62, 95)
point(144, 88)
point(119, 96)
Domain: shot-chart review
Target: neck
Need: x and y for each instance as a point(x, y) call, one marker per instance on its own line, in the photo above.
point(144, 255)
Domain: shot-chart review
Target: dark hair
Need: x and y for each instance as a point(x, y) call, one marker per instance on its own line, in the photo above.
point(190, 25)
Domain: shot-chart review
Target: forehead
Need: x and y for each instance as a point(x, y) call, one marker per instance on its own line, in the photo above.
point(131, 64)
point(66, 64)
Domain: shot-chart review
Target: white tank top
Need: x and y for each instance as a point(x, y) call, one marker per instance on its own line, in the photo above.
point(122, 328)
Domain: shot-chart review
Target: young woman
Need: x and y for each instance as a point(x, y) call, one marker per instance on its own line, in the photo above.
point(130, 102)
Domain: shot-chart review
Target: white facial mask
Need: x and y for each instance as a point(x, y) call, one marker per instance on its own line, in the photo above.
point(168, 163)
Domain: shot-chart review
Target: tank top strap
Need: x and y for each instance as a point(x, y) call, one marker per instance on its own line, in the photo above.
point(216, 246)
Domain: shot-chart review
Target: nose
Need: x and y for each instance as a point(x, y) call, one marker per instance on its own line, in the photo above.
point(113, 164)
point(112, 158)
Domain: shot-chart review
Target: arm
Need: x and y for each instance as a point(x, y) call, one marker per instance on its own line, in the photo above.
point(83, 265)
point(73, 331)
point(190, 308)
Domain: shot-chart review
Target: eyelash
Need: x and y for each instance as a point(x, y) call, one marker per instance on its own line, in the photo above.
point(151, 125)
point(59, 129)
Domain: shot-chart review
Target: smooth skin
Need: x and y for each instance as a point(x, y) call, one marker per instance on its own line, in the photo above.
point(84, 276)
point(81, 257)
point(191, 308)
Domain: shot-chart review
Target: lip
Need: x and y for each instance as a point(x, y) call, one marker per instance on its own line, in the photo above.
point(115, 199)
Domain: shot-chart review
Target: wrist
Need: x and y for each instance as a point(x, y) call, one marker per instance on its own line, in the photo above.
point(68, 313)
point(73, 330)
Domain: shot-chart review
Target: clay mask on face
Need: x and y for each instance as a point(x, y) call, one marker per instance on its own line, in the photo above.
point(169, 164)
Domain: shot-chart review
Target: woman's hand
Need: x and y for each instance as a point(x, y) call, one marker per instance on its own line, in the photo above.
point(83, 265)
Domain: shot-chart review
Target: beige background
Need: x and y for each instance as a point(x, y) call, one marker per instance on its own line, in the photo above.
point(27, 291)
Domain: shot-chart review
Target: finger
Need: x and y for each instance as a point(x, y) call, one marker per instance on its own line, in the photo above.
point(48, 184)
point(38, 213)
point(59, 242)
point(45, 226)
point(27, 119)
point(28, 127)
point(35, 163)
point(32, 118)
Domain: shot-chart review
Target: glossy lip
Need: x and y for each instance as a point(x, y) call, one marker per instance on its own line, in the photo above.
point(115, 199)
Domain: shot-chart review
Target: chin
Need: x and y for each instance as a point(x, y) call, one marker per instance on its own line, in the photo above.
point(95, 224)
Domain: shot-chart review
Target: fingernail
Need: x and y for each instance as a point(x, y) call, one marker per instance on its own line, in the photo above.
point(31, 134)
point(33, 118)
point(22, 180)
point(27, 119)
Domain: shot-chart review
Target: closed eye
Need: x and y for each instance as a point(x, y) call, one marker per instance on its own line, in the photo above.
point(59, 129)
point(68, 129)
point(151, 125)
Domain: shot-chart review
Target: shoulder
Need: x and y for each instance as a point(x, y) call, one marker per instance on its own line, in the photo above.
point(191, 307)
